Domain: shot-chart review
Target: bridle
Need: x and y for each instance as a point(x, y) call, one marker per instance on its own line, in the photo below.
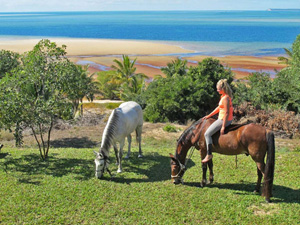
point(182, 167)
point(105, 166)
point(181, 170)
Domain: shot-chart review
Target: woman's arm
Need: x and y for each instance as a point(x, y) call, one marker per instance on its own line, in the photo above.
point(216, 110)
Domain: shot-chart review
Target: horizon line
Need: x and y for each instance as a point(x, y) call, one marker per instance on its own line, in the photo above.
point(166, 10)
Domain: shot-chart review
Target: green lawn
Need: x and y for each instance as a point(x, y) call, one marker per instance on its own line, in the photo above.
point(64, 190)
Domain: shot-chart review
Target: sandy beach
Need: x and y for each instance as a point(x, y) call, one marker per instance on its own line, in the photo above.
point(151, 56)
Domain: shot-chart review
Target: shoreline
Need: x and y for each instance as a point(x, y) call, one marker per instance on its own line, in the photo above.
point(150, 55)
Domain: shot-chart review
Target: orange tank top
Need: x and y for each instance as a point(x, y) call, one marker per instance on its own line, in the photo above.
point(222, 108)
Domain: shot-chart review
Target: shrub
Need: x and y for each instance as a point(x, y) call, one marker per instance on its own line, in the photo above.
point(184, 97)
point(169, 128)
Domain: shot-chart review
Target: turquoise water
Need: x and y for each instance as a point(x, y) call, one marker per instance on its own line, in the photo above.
point(209, 32)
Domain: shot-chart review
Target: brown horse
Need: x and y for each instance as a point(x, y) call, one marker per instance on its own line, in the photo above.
point(250, 139)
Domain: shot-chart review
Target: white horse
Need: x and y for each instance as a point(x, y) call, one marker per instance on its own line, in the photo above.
point(121, 123)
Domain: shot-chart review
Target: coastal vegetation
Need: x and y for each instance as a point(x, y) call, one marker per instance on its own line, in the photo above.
point(42, 85)
point(38, 87)
point(187, 93)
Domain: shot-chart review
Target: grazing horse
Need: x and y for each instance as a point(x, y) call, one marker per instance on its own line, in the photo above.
point(250, 139)
point(121, 123)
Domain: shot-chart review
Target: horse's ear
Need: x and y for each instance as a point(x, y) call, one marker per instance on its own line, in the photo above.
point(95, 152)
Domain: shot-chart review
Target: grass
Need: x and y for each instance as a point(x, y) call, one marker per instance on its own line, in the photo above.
point(64, 190)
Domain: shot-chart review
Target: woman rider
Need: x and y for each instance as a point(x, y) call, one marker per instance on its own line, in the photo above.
point(225, 110)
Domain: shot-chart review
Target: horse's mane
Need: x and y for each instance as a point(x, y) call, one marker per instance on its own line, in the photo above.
point(110, 130)
point(186, 134)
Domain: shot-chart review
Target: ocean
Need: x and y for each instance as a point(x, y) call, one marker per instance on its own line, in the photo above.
point(258, 33)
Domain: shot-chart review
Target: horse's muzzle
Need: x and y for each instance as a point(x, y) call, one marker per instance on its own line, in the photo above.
point(177, 181)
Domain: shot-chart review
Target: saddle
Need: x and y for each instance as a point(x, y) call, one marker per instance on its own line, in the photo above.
point(199, 130)
point(233, 127)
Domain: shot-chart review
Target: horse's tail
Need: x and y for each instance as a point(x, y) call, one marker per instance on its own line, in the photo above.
point(270, 166)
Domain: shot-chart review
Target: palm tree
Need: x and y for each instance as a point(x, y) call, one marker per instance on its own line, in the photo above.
point(286, 60)
point(125, 69)
point(177, 66)
point(131, 83)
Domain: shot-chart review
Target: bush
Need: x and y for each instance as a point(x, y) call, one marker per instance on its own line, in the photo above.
point(169, 128)
point(180, 98)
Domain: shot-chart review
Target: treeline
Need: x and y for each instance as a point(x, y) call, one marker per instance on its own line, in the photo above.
point(188, 93)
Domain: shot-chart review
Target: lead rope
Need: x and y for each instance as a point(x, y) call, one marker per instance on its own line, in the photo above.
point(191, 152)
point(190, 156)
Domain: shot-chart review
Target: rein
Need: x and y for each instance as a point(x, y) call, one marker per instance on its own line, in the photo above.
point(183, 166)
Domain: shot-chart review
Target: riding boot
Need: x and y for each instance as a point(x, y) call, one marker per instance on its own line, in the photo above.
point(209, 155)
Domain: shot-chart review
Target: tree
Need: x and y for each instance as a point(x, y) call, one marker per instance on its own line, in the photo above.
point(108, 85)
point(258, 90)
point(176, 67)
point(286, 60)
point(282, 92)
point(181, 98)
point(8, 61)
point(130, 83)
point(78, 84)
point(40, 90)
point(125, 69)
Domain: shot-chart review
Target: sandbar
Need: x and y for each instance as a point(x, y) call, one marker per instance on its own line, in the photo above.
point(150, 56)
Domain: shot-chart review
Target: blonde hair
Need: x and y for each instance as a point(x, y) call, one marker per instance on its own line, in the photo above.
point(225, 87)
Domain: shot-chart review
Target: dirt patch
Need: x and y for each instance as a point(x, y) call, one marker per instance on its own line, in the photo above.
point(86, 132)
point(264, 209)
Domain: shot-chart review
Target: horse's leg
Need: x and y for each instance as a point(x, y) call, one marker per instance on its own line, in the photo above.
point(116, 153)
point(204, 169)
point(258, 183)
point(129, 146)
point(121, 155)
point(260, 170)
point(139, 139)
point(211, 172)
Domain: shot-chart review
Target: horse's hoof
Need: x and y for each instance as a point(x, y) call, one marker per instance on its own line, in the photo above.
point(119, 171)
point(140, 156)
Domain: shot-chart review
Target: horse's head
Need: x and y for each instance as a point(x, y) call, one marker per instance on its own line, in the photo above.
point(101, 163)
point(177, 170)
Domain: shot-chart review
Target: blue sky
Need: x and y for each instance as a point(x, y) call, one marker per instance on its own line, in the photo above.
point(111, 5)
